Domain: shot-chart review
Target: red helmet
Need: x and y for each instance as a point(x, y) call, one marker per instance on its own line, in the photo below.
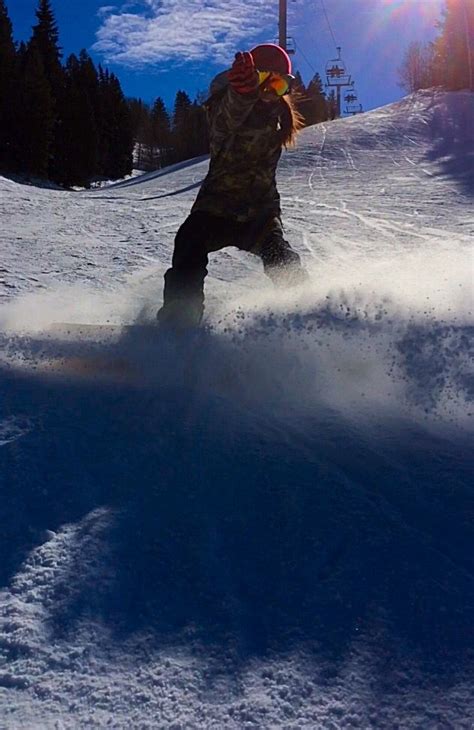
point(270, 57)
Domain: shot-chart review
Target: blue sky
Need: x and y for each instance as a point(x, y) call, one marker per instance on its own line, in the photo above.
point(159, 46)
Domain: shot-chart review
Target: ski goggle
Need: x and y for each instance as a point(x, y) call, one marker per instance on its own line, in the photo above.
point(279, 83)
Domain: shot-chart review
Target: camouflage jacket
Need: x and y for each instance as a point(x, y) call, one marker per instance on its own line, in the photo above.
point(245, 149)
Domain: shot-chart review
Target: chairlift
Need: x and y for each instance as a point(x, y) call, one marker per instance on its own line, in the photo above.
point(351, 99)
point(350, 96)
point(336, 72)
point(290, 45)
point(353, 108)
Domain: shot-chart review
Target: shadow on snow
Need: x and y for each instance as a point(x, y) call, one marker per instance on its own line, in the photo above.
point(241, 526)
point(452, 135)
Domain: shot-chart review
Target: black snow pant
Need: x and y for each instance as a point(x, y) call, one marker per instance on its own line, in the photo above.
point(202, 233)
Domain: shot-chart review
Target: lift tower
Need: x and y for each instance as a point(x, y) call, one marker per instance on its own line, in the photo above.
point(283, 41)
point(337, 76)
point(282, 26)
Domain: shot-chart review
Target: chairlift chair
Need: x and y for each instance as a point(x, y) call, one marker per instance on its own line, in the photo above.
point(336, 72)
point(350, 97)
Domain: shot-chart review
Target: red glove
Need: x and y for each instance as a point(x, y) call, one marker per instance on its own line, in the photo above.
point(243, 76)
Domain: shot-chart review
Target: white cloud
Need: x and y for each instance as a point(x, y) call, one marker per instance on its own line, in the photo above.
point(155, 31)
point(106, 10)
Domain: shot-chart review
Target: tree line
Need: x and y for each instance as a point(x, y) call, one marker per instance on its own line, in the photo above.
point(162, 138)
point(69, 122)
point(45, 105)
point(448, 61)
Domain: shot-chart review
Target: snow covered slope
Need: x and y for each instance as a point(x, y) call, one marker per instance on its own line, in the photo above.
point(271, 523)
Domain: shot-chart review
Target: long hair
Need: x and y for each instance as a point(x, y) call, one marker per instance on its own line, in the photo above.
point(291, 120)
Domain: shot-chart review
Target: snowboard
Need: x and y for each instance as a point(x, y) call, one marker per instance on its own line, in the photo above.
point(81, 351)
point(114, 353)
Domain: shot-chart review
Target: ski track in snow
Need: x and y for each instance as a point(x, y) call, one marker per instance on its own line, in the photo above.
point(267, 523)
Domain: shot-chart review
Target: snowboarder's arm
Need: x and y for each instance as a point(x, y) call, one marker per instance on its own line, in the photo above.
point(231, 110)
point(243, 76)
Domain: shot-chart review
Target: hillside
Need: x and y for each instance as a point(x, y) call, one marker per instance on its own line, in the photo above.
point(267, 523)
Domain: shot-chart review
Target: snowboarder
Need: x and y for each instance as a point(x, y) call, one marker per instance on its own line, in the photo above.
point(251, 118)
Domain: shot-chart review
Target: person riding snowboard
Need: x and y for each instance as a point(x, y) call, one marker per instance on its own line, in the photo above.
point(251, 118)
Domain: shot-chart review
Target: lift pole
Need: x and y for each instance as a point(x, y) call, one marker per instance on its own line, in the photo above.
point(282, 25)
point(468, 46)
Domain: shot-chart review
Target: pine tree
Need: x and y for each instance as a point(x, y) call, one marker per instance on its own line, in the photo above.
point(89, 78)
point(122, 147)
point(298, 88)
point(115, 128)
point(199, 140)
point(331, 103)
point(78, 136)
point(142, 135)
point(299, 97)
point(35, 116)
point(182, 127)
point(160, 134)
point(7, 88)
point(314, 105)
point(46, 38)
point(102, 119)
point(298, 83)
point(318, 97)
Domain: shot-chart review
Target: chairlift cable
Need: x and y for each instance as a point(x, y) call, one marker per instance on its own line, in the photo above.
point(300, 50)
point(329, 24)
